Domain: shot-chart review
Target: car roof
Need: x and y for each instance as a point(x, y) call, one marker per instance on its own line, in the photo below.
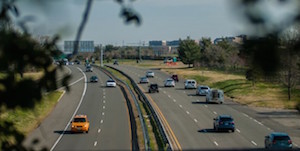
point(80, 116)
point(279, 134)
point(225, 116)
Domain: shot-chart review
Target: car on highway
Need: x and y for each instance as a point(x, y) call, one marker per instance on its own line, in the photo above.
point(175, 77)
point(190, 84)
point(215, 96)
point(94, 79)
point(111, 83)
point(202, 90)
point(144, 80)
point(169, 83)
point(150, 74)
point(153, 88)
point(278, 140)
point(89, 69)
point(80, 123)
point(116, 62)
point(224, 122)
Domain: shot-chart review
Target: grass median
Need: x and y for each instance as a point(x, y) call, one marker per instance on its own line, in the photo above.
point(155, 143)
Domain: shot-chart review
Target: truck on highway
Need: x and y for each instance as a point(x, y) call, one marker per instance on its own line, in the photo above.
point(215, 96)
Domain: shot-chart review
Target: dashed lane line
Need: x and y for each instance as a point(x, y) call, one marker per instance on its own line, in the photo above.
point(187, 112)
point(238, 130)
point(103, 107)
point(196, 120)
point(216, 143)
point(174, 100)
point(205, 105)
point(215, 112)
point(180, 105)
point(99, 130)
point(253, 143)
point(101, 121)
point(104, 101)
point(102, 113)
point(95, 143)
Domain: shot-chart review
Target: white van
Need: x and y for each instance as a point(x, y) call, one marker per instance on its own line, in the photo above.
point(190, 84)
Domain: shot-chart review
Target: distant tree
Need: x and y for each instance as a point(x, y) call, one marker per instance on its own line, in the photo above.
point(188, 51)
point(289, 73)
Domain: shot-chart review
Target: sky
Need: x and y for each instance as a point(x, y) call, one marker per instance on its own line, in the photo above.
point(161, 20)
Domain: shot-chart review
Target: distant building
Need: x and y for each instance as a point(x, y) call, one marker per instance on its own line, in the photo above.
point(83, 46)
point(163, 47)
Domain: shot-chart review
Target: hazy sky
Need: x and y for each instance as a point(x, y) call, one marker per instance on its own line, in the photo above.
point(161, 20)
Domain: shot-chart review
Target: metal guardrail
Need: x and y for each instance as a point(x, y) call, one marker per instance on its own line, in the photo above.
point(143, 124)
point(162, 130)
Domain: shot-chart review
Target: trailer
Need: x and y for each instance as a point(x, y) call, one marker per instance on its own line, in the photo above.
point(215, 96)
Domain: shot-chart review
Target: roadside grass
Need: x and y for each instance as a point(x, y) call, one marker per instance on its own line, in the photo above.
point(26, 120)
point(234, 85)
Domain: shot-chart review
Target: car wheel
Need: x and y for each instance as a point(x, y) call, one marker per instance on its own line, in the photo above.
point(232, 130)
point(149, 91)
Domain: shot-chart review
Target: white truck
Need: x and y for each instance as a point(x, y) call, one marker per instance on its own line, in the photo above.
point(215, 96)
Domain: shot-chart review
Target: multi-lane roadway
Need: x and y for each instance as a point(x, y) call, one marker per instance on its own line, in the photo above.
point(191, 119)
point(106, 110)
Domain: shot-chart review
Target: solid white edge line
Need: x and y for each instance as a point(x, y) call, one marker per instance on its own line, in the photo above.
point(61, 95)
point(253, 143)
point(81, 99)
point(216, 143)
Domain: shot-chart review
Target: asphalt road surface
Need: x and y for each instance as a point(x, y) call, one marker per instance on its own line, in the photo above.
point(191, 118)
point(106, 110)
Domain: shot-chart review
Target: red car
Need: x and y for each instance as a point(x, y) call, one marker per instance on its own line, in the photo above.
point(175, 77)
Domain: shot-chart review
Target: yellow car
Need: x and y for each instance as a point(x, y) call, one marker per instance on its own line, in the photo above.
point(80, 123)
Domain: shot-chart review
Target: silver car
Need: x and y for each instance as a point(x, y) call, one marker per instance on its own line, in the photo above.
point(202, 90)
point(190, 84)
point(150, 74)
point(169, 83)
point(144, 80)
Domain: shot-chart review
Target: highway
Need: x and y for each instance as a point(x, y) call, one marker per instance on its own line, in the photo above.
point(106, 110)
point(191, 119)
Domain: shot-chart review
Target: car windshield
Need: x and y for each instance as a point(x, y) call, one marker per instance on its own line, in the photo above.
point(153, 86)
point(79, 120)
point(110, 81)
point(169, 80)
point(206, 88)
point(281, 138)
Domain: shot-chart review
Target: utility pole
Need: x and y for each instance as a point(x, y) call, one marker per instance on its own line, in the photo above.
point(101, 56)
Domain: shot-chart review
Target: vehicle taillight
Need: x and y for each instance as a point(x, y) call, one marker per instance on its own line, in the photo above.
point(232, 123)
point(290, 141)
point(274, 142)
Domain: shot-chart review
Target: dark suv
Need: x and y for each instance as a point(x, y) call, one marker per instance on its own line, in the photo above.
point(153, 88)
point(224, 122)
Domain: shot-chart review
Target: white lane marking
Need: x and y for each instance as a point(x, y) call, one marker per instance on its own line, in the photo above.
point(250, 118)
point(205, 105)
point(103, 96)
point(103, 107)
point(183, 91)
point(260, 123)
point(95, 143)
point(187, 112)
point(103, 89)
point(269, 129)
point(164, 91)
point(174, 100)
point(245, 115)
point(102, 113)
point(71, 83)
point(196, 120)
point(215, 112)
point(169, 96)
point(238, 130)
point(198, 100)
point(180, 106)
point(103, 101)
point(159, 88)
point(253, 143)
point(99, 130)
point(101, 121)
point(216, 143)
point(104, 93)
point(81, 99)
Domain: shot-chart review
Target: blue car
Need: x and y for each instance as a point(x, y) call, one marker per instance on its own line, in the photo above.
point(224, 122)
point(278, 140)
